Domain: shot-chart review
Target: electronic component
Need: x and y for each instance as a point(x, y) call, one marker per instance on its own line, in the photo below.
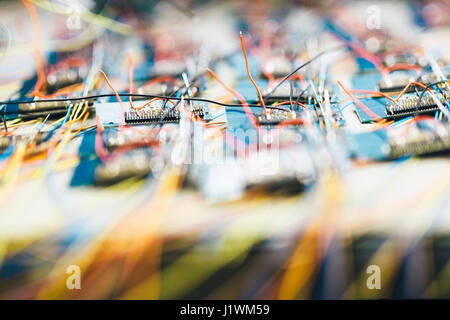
point(5, 142)
point(276, 117)
point(224, 165)
point(36, 109)
point(395, 83)
point(410, 106)
point(129, 139)
point(419, 143)
point(134, 164)
point(153, 114)
point(283, 93)
point(266, 171)
point(63, 78)
point(387, 145)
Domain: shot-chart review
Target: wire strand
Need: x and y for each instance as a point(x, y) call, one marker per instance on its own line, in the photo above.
point(250, 75)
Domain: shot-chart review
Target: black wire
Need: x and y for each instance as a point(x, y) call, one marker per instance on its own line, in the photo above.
point(302, 66)
point(301, 94)
point(419, 101)
point(173, 94)
point(173, 107)
point(4, 117)
point(106, 95)
point(194, 80)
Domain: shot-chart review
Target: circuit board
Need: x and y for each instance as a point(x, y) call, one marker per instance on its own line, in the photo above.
point(224, 150)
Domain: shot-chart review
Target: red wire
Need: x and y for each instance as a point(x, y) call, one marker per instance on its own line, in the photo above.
point(290, 122)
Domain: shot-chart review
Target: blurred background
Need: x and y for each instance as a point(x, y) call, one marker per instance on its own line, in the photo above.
point(198, 231)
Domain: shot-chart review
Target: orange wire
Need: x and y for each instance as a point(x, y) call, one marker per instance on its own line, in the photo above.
point(117, 96)
point(250, 75)
point(404, 66)
point(288, 102)
point(374, 92)
point(154, 99)
point(40, 84)
point(81, 126)
point(254, 51)
point(244, 103)
point(55, 139)
point(369, 112)
point(131, 75)
point(81, 115)
point(398, 97)
point(409, 84)
point(382, 124)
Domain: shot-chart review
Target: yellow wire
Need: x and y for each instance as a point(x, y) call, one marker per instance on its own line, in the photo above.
point(87, 16)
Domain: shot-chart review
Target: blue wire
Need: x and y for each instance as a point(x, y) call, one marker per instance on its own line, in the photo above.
point(64, 121)
point(446, 102)
point(401, 121)
point(347, 105)
point(88, 130)
point(219, 115)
